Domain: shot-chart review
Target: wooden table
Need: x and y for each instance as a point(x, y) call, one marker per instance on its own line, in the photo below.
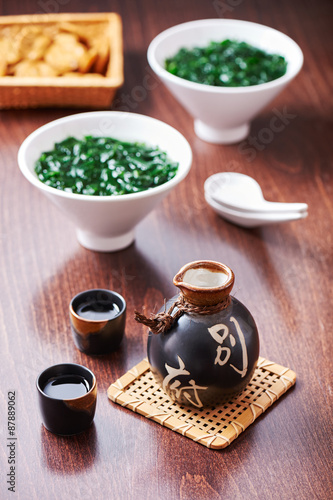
point(283, 275)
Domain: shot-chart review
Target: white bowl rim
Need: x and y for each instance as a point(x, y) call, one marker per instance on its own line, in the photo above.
point(33, 179)
point(163, 73)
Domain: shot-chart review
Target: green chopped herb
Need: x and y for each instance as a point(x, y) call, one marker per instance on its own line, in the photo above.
point(226, 64)
point(103, 166)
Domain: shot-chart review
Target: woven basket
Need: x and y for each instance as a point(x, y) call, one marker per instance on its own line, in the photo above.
point(86, 92)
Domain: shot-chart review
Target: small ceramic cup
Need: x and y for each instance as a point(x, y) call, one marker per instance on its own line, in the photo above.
point(97, 320)
point(67, 398)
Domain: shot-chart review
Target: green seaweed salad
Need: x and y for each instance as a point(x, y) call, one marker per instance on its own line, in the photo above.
point(104, 166)
point(226, 64)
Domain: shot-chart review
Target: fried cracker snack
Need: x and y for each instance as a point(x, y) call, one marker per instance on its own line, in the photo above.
point(61, 49)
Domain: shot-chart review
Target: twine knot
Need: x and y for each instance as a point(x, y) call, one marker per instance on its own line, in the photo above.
point(163, 321)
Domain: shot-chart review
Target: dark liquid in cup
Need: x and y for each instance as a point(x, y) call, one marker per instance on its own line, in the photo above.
point(98, 310)
point(66, 387)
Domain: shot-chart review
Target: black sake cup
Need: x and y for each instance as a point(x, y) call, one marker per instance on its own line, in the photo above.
point(70, 415)
point(102, 331)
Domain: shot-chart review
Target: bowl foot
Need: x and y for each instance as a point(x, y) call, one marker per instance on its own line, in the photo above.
point(104, 243)
point(221, 136)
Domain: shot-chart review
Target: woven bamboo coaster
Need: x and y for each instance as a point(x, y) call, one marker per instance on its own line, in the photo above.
point(213, 427)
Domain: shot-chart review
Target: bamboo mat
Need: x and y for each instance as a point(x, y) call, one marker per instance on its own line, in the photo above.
point(214, 427)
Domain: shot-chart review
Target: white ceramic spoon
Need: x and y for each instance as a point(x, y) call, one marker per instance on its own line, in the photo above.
point(253, 219)
point(241, 192)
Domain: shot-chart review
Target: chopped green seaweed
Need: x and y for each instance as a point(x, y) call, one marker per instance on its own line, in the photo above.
point(226, 64)
point(104, 166)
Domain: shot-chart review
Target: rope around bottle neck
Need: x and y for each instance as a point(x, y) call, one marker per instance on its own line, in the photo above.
point(163, 321)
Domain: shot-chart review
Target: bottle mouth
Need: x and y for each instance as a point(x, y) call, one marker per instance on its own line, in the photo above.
point(204, 282)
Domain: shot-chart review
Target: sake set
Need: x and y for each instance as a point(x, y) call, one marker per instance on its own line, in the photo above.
point(202, 346)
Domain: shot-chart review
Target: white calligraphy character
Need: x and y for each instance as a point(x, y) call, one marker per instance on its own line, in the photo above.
point(226, 351)
point(176, 385)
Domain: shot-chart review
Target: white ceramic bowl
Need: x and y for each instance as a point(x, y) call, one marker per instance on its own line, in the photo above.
point(106, 223)
point(223, 114)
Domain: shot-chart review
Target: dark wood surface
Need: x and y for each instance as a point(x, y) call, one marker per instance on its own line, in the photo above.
point(283, 275)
